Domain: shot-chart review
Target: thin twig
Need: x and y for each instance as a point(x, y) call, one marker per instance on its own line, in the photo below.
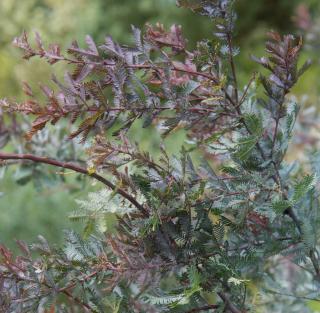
point(247, 88)
point(293, 296)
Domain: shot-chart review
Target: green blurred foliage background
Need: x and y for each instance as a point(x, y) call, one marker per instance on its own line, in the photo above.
point(26, 211)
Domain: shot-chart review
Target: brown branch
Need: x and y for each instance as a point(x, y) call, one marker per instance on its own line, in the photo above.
point(78, 169)
point(204, 308)
point(77, 301)
point(66, 288)
point(133, 66)
point(229, 305)
point(247, 89)
point(233, 68)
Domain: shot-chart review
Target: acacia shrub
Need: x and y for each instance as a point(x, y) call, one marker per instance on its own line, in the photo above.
point(169, 234)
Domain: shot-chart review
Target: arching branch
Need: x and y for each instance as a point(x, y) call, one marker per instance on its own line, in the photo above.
point(76, 168)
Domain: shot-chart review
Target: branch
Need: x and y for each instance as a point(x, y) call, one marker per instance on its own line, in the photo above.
point(228, 303)
point(233, 68)
point(78, 301)
point(293, 296)
point(243, 97)
point(204, 308)
point(76, 168)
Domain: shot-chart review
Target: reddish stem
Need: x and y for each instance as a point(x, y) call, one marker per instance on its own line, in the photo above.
point(76, 168)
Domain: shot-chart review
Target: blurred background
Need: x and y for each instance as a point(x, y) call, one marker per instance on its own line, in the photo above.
point(27, 210)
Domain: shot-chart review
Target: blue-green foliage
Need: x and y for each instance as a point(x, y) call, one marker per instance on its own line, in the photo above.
point(222, 230)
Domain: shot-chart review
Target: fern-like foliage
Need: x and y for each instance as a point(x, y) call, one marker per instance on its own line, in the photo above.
point(214, 230)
